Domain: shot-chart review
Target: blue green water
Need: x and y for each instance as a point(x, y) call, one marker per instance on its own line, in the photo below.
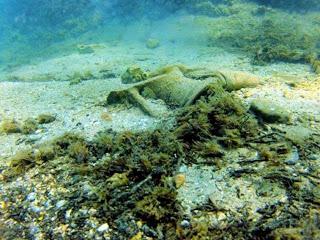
point(41, 28)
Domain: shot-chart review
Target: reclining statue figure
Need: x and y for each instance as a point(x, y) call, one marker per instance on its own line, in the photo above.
point(179, 86)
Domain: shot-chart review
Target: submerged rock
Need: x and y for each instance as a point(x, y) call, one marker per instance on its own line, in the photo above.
point(85, 49)
point(270, 112)
point(152, 43)
point(103, 228)
point(46, 118)
point(10, 126)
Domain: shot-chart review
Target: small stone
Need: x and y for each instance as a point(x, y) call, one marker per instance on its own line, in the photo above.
point(34, 229)
point(293, 157)
point(3, 205)
point(183, 168)
point(185, 224)
point(68, 214)
point(103, 228)
point(85, 49)
point(270, 112)
point(247, 94)
point(35, 209)
point(46, 118)
point(60, 204)
point(221, 216)
point(152, 43)
point(106, 116)
point(298, 134)
point(92, 211)
point(179, 180)
point(138, 236)
point(31, 196)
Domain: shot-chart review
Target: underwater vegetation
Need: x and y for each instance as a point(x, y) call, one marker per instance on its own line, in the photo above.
point(264, 29)
point(135, 175)
point(133, 75)
point(302, 5)
point(78, 77)
point(28, 126)
point(46, 118)
point(9, 126)
point(269, 36)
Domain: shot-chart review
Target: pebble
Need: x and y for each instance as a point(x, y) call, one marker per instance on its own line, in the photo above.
point(68, 214)
point(31, 196)
point(185, 224)
point(293, 157)
point(183, 169)
point(179, 180)
point(270, 111)
point(60, 204)
point(103, 228)
point(35, 209)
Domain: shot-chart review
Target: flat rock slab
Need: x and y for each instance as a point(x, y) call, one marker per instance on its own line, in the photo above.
point(270, 112)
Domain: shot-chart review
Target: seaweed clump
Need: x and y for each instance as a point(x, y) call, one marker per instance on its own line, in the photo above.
point(133, 75)
point(29, 126)
point(133, 174)
point(10, 126)
point(78, 77)
point(272, 36)
point(45, 118)
point(216, 122)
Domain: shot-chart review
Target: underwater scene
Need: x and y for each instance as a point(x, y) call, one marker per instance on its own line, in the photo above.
point(159, 119)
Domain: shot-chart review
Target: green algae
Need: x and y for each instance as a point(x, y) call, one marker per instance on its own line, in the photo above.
point(45, 118)
point(272, 36)
point(78, 77)
point(85, 49)
point(221, 117)
point(9, 126)
point(29, 126)
point(133, 75)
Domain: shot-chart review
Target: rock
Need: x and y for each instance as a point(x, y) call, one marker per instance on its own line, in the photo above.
point(185, 224)
point(46, 118)
point(85, 49)
point(10, 126)
point(152, 43)
point(60, 204)
point(31, 196)
point(297, 134)
point(179, 180)
point(103, 228)
point(293, 157)
point(270, 112)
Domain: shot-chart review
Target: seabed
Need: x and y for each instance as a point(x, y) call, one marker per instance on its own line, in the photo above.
point(242, 164)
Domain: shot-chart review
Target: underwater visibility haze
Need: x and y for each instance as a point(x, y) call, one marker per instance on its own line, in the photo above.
point(158, 119)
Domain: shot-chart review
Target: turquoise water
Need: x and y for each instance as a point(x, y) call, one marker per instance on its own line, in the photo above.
point(45, 28)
